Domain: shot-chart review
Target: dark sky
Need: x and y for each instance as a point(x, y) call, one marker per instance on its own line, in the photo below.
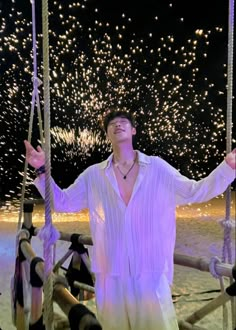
point(145, 56)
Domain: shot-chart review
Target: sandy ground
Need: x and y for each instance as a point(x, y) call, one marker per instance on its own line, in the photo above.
point(199, 233)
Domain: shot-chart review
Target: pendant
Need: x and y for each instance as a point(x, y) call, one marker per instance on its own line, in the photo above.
point(124, 177)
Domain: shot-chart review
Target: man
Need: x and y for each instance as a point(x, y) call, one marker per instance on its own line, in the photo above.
point(131, 199)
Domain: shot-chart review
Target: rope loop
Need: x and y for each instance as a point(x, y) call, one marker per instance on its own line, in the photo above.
point(212, 267)
point(23, 231)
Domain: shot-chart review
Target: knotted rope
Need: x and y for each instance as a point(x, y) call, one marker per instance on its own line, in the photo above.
point(35, 97)
point(48, 233)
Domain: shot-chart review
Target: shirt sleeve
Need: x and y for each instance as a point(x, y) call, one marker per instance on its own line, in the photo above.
point(192, 191)
point(71, 199)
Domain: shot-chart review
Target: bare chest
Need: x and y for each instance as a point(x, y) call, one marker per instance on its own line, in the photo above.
point(126, 182)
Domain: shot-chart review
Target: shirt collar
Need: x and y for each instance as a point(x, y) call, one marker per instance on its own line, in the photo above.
point(142, 160)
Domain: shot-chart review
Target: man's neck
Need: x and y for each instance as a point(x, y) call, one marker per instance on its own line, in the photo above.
point(123, 154)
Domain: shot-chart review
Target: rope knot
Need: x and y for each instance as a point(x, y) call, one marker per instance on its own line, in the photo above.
point(37, 82)
point(49, 234)
point(227, 223)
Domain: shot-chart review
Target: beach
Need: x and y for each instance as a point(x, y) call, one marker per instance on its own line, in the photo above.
point(199, 233)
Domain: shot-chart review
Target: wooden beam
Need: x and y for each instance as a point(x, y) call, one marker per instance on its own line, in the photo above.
point(183, 325)
point(200, 263)
point(203, 264)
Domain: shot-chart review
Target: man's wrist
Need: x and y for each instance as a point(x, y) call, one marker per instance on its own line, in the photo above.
point(40, 170)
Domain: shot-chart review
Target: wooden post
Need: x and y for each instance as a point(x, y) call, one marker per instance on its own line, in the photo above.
point(20, 311)
point(64, 298)
point(36, 304)
point(210, 307)
point(83, 286)
point(20, 317)
point(183, 325)
point(83, 239)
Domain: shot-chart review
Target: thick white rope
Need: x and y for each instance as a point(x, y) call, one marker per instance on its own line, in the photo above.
point(48, 233)
point(212, 267)
point(227, 223)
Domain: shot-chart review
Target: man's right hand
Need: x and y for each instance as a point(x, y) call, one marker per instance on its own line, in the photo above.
point(35, 157)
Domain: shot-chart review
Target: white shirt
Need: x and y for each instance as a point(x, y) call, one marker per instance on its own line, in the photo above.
point(140, 237)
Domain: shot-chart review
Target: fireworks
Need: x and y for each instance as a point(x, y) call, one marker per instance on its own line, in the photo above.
point(166, 79)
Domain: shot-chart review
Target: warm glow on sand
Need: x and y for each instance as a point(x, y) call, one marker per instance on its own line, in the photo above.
point(212, 210)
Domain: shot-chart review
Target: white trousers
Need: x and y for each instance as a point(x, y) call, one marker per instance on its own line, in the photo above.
point(143, 303)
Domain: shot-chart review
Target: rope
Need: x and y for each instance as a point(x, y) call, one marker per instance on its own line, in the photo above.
point(48, 233)
point(36, 81)
point(227, 223)
point(212, 267)
point(227, 246)
point(35, 96)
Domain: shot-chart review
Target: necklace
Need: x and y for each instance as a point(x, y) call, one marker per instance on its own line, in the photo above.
point(125, 174)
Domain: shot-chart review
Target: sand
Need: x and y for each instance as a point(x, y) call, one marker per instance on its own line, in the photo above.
point(199, 233)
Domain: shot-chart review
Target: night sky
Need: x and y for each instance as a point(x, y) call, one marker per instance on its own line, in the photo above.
point(163, 60)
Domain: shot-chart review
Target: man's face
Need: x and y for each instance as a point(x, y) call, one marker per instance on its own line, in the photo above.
point(120, 130)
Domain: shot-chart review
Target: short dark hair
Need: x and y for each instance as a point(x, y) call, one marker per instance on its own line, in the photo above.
point(117, 113)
